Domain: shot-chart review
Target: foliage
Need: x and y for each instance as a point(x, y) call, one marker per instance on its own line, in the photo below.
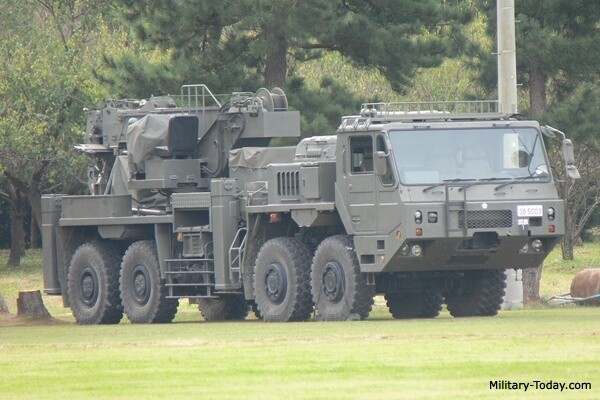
point(46, 58)
point(583, 195)
point(229, 44)
point(550, 36)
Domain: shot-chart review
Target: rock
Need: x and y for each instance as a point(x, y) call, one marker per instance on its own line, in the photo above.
point(586, 284)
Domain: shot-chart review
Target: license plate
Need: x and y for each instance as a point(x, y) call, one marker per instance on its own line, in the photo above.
point(530, 211)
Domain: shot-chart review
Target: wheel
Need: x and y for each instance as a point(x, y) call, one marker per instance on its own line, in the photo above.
point(282, 281)
point(481, 295)
point(143, 292)
point(340, 292)
point(426, 304)
point(93, 284)
point(233, 307)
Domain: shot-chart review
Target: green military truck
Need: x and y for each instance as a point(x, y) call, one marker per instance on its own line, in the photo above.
point(425, 203)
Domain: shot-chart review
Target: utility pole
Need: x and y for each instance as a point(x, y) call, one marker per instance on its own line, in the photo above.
point(507, 57)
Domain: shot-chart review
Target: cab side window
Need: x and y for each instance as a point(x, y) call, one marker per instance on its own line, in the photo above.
point(361, 152)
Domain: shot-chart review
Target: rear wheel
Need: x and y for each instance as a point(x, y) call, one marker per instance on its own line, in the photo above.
point(142, 290)
point(93, 284)
point(282, 281)
point(340, 292)
point(232, 307)
point(481, 294)
point(426, 304)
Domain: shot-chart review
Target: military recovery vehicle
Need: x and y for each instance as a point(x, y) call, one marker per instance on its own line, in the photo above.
point(424, 203)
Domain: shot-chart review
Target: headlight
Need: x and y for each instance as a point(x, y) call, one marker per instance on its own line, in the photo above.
point(537, 245)
point(418, 217)
point(525, 248)
point(416, 250)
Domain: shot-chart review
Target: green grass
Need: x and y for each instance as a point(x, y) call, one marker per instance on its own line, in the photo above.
point(376, 359)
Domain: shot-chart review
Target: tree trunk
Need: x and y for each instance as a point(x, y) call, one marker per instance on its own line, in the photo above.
point(30, 304)
point(537, 97)
point(568, 241)
point(17, 226)
point(537, 87)
point(3, 306)
point(276, 47)
point(34, 234)
point(531, 290)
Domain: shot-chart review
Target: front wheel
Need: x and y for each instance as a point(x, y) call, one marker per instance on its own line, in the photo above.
point(481, 294)
point(282, 281)
point(93, 284)
point(142, 290)
point(340, 292)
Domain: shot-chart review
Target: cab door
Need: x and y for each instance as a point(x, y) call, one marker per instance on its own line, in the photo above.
point(361, 184)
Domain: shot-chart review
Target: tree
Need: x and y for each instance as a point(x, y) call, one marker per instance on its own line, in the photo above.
point(241, 43)
point(45, 81)
point(576, 115)
point(550, 36)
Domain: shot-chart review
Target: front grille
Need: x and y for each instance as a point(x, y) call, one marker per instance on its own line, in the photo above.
point(485, 219)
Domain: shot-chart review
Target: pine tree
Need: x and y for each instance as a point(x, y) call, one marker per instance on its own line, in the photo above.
point(235, 43)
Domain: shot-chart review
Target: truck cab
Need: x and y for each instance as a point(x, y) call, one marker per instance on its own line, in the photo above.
point(437, 194)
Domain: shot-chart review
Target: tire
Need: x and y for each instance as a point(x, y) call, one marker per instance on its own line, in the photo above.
point(340, 292)
point(426, 304)
point(282, 281)
point(93, 284)
point(226, 308)
point(143, 292)
point(482, 294)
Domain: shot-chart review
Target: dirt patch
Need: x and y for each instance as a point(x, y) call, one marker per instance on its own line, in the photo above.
point(7, 320)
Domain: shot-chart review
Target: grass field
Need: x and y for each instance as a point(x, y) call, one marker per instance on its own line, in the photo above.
point(376, 359)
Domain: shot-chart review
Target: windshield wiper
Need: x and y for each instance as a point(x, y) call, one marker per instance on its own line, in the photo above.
point(428, 188)
point(512, 180)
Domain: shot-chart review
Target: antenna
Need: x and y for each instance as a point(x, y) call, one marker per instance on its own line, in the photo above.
point(507, 57)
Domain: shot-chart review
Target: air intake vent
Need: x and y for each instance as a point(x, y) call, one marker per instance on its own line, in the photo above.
point(288, 183)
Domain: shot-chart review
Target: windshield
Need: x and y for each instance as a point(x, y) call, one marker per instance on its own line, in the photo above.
point(454, 155)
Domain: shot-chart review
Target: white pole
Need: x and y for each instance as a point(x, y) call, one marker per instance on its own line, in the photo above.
point(507, 57)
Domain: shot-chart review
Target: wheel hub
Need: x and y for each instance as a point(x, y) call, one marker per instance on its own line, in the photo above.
point(141, 285)
point(276, 283)
point(333, 281)
point(89, 286)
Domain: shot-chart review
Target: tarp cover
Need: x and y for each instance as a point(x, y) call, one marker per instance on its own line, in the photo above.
point(143, 136)
point(260, 157)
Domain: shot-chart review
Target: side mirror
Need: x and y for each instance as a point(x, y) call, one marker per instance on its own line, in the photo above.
point(380, 163)
point(548, 131)
point(567, 149)
point(568, 152)
point(573, 172)
point(569, 155)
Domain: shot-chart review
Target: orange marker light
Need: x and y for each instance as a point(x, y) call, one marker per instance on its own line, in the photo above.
point(419, 232)
point(274, 218)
